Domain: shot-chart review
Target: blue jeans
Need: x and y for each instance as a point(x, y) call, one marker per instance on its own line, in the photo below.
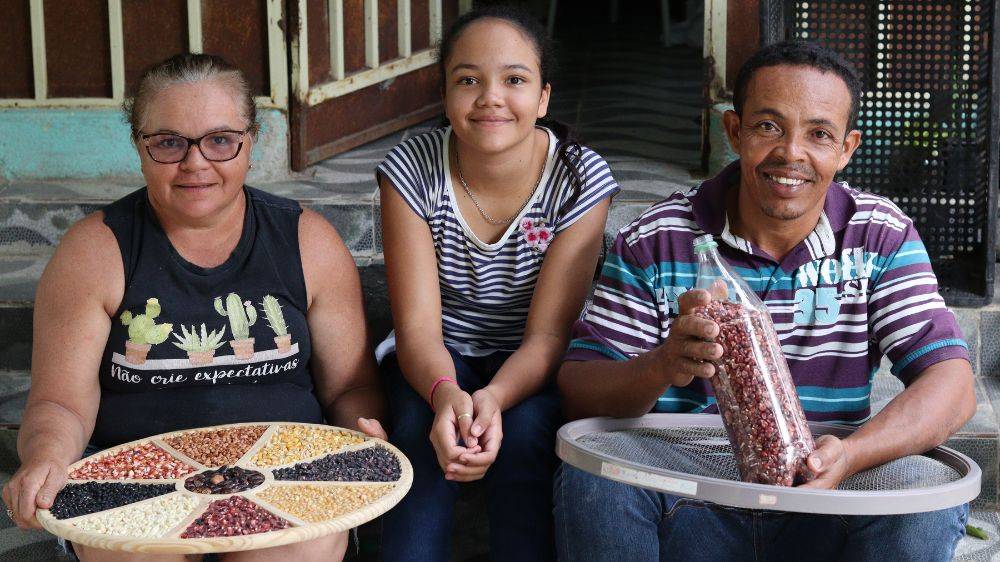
point(518, 485)
point(598, 519)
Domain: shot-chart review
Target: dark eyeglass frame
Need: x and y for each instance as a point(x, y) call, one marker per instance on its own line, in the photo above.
point(193, 142)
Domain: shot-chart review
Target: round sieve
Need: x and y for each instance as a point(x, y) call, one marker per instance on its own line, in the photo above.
point(690, 455)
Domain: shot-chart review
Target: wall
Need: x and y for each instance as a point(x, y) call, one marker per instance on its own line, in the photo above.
point(52, 143)
point(62, 81)
point(742, 36)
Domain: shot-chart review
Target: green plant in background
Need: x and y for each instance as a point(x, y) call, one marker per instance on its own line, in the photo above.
point(241, 315)
point(924, 133)
point(933, 118)
point(192, 342)
point(275, 318)
point(142, 329)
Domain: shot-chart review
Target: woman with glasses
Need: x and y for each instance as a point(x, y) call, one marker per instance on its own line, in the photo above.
point(194, 301)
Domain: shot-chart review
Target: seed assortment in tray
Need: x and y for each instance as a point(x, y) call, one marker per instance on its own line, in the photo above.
point(228, 488)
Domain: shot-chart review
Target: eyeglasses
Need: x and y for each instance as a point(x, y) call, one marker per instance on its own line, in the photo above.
point(217, 146)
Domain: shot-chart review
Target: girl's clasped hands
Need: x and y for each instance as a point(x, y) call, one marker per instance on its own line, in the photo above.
point(467, 431)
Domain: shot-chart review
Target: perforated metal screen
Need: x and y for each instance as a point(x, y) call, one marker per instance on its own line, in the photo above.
point(930, 135)
point(705, 451)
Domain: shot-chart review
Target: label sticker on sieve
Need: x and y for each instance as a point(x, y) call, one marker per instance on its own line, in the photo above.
point(665, 483)
point(767, 499)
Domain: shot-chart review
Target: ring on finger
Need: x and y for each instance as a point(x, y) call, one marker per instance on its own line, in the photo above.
point(460, 416)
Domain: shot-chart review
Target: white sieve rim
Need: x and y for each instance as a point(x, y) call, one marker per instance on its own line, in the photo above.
point(761, 496)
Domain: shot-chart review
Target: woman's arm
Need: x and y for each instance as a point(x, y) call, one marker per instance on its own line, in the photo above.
point(343, 367)
point(415, 295)
point(81, 288)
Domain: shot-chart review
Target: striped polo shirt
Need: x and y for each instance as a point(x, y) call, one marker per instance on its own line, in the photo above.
point(486, 288)
point(858, 288)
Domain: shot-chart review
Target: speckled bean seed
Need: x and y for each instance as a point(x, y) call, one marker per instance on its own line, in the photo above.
point(232, 516)
point(142, 462)
point(757, 399)
point(225, 480)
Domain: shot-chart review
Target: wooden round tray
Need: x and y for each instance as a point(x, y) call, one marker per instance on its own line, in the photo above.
point(299, 530)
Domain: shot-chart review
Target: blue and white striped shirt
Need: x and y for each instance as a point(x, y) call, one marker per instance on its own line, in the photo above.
point(486, 289)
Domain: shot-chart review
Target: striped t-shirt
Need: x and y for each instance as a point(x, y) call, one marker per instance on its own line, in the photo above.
point(486, 289)
point(858, 288)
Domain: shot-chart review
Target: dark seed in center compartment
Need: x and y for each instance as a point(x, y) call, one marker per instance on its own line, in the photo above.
point(224, 480)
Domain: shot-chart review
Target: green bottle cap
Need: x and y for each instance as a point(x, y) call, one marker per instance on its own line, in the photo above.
point(704, 243)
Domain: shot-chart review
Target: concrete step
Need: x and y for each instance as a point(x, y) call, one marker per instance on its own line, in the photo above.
point(19, 275)
point(979, 438)
point(34, 216)
point(13, 395)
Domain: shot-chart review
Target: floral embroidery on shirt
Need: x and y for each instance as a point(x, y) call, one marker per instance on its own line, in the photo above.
point(537, 234)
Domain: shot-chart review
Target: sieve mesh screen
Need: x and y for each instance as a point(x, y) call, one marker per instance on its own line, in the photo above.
point(706, 452)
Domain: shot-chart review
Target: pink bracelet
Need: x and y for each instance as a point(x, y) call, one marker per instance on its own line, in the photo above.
point(435, 385)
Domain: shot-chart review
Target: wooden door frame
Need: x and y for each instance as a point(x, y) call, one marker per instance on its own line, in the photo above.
point(305, 97)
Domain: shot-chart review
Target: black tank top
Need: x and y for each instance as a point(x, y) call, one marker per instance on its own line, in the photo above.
point(191, 346)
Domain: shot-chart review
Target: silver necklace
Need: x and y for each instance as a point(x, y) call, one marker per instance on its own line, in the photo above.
point(486, 216)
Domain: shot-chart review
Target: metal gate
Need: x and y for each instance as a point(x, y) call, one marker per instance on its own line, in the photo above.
point(929, 118)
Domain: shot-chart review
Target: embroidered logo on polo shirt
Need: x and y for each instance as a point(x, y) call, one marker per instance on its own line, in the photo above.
point(825, 283)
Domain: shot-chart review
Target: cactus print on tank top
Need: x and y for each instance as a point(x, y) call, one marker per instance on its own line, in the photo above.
point(192, 346)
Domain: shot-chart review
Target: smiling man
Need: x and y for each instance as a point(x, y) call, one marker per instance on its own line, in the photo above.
point(847, 282)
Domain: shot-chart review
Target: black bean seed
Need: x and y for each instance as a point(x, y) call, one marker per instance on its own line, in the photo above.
point(372, 464)
point(90, 497)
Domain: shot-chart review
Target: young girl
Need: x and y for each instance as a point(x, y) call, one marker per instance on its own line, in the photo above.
point(492, 228)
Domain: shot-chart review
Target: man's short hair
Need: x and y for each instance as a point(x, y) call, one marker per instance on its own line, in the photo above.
point(799, 53)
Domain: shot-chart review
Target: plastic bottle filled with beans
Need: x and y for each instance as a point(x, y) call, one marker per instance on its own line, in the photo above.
point(753, 386)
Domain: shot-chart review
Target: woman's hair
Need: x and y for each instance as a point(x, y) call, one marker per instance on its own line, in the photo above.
point(189, 68)
point(570, 152)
